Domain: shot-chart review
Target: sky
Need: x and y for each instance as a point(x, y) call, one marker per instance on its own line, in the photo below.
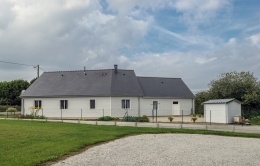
point(195, 40)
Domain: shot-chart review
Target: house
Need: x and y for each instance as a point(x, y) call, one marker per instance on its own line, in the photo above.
point(108, 92)
point(221, 110)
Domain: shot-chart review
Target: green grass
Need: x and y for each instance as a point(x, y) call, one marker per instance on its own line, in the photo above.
point(32, 142)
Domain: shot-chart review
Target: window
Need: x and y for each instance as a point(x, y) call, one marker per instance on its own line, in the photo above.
point(126, 104)
point(38, 104)
point(175, 102)
point(63, 104)
point(92, 104)
point(155, 105)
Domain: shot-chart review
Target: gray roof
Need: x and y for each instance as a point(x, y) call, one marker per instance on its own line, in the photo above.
point(221, 101)
point(105, 83)
point(164, 87)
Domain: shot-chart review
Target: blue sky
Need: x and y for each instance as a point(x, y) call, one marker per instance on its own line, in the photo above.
point(195, 40)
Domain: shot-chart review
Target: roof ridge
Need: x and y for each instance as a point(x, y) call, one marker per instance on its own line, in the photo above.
point(85, 70)
point(158, 77)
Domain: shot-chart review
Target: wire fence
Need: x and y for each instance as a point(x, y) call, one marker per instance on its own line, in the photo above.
point(96, 113)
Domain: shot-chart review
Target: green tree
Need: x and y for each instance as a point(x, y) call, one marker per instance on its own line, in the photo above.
point(200, 97)
point(242, 86)
point(10, 91)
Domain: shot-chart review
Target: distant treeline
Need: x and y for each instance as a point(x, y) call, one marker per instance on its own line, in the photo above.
point(11, 90)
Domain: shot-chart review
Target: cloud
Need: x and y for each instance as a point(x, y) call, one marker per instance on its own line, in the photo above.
point(169, 38)
point(195, 12)
point(255, 39)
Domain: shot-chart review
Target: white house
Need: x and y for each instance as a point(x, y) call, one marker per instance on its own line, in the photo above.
point(106, 92)
point(221, 110)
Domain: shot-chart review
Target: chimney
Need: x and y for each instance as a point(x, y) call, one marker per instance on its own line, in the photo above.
point(115, 66)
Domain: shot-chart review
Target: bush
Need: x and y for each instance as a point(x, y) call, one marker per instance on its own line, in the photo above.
point(255, 120)
point(11, 109)
point(170, 118)
point(107, 118)
point(136, 119)
point(32, 116)
point(194, 119)
point(3, 108)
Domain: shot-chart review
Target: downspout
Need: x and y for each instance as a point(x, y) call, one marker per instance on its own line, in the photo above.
point(22, 106)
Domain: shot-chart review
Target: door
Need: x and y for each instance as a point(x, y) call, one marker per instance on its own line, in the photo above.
point(176, 108)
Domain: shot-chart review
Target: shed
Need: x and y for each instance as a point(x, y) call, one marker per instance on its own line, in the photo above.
point(221, 110)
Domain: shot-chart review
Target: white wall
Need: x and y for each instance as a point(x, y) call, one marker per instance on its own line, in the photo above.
point(222, 113)
point(51, 107)
point(234, 109)
point(165, 107)
point(107, 106)
point(118, 111)
point(218, 113)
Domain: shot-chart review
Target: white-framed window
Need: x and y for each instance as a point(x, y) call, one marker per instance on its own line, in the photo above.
point(92, 104)
point(63, 104)
point(126, 104)
point(38, 104)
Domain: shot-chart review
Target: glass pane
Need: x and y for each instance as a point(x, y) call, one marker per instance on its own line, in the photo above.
point(155, 105)
point(127, 103)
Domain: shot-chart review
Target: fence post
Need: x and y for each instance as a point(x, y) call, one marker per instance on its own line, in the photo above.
point(7, 113)
point(181, 116)
point(156, 115)
point(210, 117)
point(42, 113)
point(81, 113)
point(103, 113)
point(61, 115)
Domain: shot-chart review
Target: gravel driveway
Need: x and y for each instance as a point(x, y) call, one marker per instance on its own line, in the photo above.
point(171, 149)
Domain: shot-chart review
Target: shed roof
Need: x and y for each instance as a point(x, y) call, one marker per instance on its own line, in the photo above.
point(221, 101)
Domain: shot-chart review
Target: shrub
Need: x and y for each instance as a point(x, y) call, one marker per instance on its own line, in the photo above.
point(32, 116)
point(107, 118)
point(136, 119)
point(255, 120)
point(194, 119)
point(11, 109)
point(3, 108)
point(144, 118)
point(170, 118)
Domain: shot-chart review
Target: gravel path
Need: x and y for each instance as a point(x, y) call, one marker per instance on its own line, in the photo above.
point(171, 149)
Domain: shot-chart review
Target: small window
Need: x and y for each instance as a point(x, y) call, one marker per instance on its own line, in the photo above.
point(92, 104)
point(38, 104)
point(126, 104)
point(63, 104)
point(155, 105)
point(175, 102)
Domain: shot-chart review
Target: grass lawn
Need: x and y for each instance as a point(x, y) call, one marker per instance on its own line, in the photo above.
point(32, 142)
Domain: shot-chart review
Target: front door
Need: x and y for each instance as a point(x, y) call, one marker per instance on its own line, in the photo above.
point(176, 108)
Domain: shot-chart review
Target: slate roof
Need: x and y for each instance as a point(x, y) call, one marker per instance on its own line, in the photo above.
point(164, 87)
point(105, 83)
point(221, 101)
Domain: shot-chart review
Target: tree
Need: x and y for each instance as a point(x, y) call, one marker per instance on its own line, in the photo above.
point(242, 86)
point(200, 97)
point(10, 91)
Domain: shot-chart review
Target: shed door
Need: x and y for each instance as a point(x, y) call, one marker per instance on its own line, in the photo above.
point(176, 108)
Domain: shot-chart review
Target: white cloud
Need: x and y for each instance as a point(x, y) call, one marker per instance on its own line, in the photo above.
point(255, 39)
point(70, 34)
point(199, 11)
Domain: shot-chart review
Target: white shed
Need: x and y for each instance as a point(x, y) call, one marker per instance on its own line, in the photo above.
point(221, 110)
